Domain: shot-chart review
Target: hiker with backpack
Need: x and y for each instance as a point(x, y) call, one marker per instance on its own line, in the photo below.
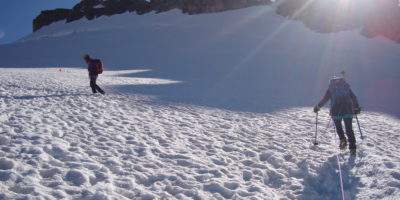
point(95, 68)
point(344, 106)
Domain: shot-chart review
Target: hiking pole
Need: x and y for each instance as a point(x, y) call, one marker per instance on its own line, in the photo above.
point(359, 128)
point(316, 129)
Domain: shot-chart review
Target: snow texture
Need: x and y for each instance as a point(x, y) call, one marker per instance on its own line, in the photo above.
point(60, 142)
point(214, 106)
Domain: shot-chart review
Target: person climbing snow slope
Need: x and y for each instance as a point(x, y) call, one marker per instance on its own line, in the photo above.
point(344, 106)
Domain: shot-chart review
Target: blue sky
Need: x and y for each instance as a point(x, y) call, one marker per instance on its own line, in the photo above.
point(16, 16)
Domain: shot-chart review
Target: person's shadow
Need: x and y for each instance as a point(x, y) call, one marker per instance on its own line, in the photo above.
point(326, 183)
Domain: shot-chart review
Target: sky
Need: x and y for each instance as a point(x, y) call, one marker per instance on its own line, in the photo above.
point(16, 16)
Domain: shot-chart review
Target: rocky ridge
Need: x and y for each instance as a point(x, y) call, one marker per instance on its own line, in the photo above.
point(95, 8)
point(373, 18)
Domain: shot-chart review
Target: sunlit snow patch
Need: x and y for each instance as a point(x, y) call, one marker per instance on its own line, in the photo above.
point(124, 79)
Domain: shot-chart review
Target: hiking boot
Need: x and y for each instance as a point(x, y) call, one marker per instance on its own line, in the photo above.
point(353, 152)
point(343, 144)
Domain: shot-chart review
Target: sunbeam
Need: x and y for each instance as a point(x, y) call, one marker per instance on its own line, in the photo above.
point(261, 43)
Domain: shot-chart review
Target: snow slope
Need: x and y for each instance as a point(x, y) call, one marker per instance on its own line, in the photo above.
point(60, 142)
point(243, 60)
point(214, 106)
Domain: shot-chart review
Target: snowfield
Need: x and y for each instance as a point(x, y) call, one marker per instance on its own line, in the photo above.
point(211, 106)
point(58, 141)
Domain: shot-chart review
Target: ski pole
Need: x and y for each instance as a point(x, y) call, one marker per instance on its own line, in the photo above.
point(359, 128)
point(316, 129)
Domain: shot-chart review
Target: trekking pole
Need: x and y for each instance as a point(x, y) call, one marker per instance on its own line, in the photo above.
point(359, 128)
point(316, 129)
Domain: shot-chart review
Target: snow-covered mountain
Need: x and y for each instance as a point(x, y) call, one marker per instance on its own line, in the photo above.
point(210, 106)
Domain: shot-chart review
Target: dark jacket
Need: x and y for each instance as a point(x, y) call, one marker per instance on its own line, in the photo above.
point(341, 107)
point(92, 67)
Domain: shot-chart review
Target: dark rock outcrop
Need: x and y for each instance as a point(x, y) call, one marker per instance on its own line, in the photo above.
point(49, 16)
point(96, 8)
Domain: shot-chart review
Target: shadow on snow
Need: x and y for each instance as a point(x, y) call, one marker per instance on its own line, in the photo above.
point(326, 183)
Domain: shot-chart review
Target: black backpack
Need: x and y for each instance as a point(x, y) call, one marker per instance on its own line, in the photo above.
point(340, 92)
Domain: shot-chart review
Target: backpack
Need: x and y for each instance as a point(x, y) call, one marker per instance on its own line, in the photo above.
point(98, 66)
point(340, 92)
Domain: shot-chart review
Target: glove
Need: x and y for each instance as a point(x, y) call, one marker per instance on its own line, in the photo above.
point(357, 110)
point(316, 109)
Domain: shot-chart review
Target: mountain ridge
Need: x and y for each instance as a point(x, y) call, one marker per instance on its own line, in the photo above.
point(373, 18)
point(95, 8)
